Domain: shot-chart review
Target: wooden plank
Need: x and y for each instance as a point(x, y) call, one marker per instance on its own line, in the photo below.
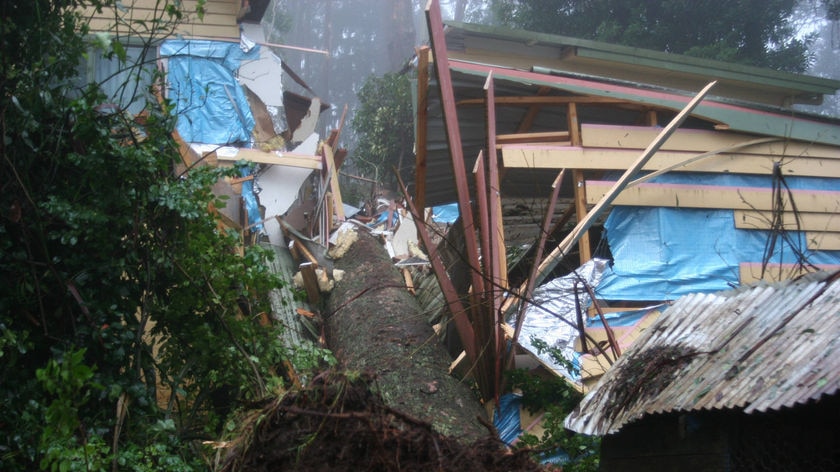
point(334, 187)
point(542, 99)
point(750, 272)
point(548, 136)
point(303, 251)
point(421, 130)
point(289, 159)
point(409, 282)
point(751, 219)
point(494, 201)
point(310, 282)
point(584, 246)
point(561, 157)
point(637, 137)
point(712, 196)
point(453, 135)
point(823, 241)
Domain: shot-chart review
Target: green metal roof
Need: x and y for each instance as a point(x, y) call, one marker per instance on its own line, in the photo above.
point(643, 65)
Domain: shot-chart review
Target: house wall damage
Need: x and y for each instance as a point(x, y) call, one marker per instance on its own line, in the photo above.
point(234, 105)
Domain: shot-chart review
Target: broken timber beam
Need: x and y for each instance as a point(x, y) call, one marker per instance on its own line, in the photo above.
point(277, 158)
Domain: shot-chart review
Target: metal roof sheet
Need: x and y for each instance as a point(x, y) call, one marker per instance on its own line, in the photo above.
point(760, 348)
point(619, 61)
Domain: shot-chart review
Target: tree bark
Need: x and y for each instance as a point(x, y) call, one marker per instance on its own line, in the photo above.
point(374, 324)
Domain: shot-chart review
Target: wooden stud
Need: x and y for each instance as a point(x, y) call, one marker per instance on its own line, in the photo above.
point(422, 130)
point(409, 282)
point(584, 245)
point(338, 207)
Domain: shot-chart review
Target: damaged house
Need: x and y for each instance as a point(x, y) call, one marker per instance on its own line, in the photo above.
point(238, 104)
point(622, 186)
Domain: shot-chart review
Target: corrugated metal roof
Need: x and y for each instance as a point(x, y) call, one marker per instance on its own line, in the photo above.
point(636, 64)
point(760, 348)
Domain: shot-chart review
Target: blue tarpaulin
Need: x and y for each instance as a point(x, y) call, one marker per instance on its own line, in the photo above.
point(664, 253)
point(210, 104)
point(249, 197)
point(448, 213)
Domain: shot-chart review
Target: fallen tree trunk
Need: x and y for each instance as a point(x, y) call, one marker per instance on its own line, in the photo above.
point(374, 325)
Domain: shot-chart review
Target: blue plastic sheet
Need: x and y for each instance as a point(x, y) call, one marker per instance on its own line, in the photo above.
point(443, 214)
point(210, 104)
point(252, 206)
point(506, 418)
point(664, 253)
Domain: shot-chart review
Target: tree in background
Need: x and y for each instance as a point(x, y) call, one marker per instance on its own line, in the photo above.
point(752, 32)
point(127, 318)
point(362, 38)
point(384, 125)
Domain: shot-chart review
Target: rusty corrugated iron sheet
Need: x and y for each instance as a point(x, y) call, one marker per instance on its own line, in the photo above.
point(760, 348)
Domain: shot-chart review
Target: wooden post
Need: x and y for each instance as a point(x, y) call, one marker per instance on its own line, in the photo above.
point(422, 131)
point(584, 246)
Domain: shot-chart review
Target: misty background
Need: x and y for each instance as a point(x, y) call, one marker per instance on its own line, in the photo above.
point(364, 38)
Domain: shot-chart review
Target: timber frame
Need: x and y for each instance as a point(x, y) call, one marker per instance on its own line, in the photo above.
point(545, 118)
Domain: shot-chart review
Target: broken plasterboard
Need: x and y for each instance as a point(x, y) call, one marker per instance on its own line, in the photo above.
point(263, 76)
point(280, 186)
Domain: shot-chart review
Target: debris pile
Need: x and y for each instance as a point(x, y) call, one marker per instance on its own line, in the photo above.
point(339, 423)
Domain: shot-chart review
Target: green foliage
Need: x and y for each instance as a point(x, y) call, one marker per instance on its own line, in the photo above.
point(126, 317)
point(753, 32)
point(556, 398)
point(384, 125)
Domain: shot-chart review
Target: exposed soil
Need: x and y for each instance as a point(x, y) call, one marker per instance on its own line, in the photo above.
point(338, 424)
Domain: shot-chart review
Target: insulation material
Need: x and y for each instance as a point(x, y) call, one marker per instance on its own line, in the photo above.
point(555, 300)
point(664, 253)
point(210, 104)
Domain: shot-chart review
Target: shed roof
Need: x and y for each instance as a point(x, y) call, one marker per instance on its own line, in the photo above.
point(760, 348)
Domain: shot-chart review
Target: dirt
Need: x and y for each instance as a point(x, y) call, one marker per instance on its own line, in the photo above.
point(338, 423)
